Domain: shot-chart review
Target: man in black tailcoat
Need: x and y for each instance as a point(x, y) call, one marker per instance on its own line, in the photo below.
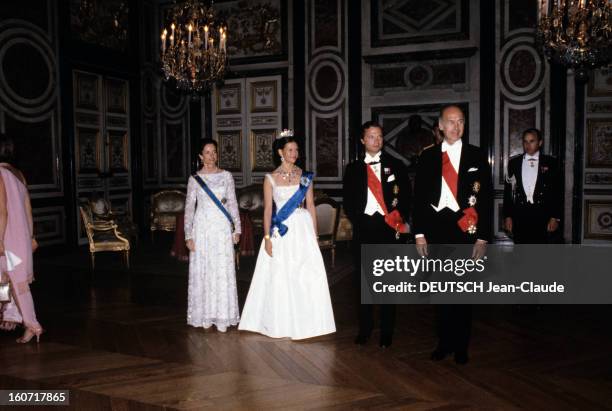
point(533, 201)
point(377, 195)
point(453, 198)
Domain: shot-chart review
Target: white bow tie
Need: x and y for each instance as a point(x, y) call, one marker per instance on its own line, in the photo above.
point(531, 158)
point(368, 159)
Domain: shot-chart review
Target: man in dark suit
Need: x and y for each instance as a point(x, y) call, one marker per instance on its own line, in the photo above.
point(533, 201)
point(377, 195)
point(453, 198)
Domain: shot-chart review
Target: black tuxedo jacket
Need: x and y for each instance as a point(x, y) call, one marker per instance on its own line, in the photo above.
point(355, 188)
point(474, 180)
point(547, 193)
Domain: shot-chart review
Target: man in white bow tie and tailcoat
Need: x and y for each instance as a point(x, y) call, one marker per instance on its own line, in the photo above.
point(453, 198)
point(533, 200)
point(377, 196)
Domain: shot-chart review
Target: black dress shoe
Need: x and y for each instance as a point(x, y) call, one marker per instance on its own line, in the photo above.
point(361, 339)
point(385, 342)
point(439, 354)
point(461, 357)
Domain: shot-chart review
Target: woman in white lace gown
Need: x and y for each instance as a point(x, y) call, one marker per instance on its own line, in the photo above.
point(289, 295)
point(212, 294)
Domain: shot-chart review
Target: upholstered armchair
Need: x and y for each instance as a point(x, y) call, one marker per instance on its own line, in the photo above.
point(250, 200)
point(165, 207)
point(101, 210)
point(328, 212)
point(103, 236)
point(345, 228)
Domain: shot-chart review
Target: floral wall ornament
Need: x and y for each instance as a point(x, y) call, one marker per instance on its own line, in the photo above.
point(103, 23)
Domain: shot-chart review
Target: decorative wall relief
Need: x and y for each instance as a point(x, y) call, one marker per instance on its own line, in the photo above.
point(600, 83)
point(261, 149)
point(257, 28)
point(263, 96)
point(118, 151)
point(116, 96)
point(599, 143)
point(88, 145)
point(598, 219)
point(598, 179)
point(420, 76)
point(326, 89)
point(229, 99)
point(174, 151)
point(230, 150)
point(29, 97)
point(102, 23)
point(87, 87)
point(521, 91)
point(414, 21)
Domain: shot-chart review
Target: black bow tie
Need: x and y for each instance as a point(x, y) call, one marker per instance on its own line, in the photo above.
point(372, 163)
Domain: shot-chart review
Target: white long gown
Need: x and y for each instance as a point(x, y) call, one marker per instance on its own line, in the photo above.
point(212, 295)
point(289, 295)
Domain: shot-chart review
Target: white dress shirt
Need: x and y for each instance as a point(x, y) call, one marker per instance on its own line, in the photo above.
point(372, 205)
point(447, 199)
point(529, 174)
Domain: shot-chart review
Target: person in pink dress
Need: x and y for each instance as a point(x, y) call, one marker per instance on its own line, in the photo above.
point(17, 243)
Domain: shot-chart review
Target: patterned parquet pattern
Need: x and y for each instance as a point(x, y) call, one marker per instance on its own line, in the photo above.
point(114, 353)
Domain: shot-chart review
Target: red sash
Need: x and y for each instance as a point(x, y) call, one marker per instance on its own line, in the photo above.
point(393, 219)
point(468, 222)
point(449, 174)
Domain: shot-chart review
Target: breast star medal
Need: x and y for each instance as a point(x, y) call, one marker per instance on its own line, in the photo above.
point(394, 202)
point(476, 186)
point(395, 189)
point(472, 201)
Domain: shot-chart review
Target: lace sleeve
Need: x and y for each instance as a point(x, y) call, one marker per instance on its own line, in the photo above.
point(232, 203)
point(190, 204)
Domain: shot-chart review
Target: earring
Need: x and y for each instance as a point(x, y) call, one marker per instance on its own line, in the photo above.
point(282, 159)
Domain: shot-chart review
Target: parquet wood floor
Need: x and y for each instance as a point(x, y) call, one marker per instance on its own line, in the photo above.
point(116, 342)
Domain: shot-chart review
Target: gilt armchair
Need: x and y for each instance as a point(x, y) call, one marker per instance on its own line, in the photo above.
point(165, 207)
point(101, 210)
point(103, 236)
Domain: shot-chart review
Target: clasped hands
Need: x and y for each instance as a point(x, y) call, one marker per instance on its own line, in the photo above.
point(191, 244)
point(478, 251)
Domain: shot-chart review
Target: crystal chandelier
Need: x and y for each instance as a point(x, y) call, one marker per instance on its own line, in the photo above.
point(193, 47)
point(576, 33)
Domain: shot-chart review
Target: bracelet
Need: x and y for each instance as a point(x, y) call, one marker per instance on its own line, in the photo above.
point(267, 237)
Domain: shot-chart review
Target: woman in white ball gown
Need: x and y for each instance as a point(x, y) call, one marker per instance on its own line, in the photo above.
point(289, 295)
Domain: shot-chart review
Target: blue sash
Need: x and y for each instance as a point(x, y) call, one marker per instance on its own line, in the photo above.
point(214, 198)
point(296, 199)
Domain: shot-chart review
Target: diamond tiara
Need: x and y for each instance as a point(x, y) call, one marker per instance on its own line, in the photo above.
point(285, 133)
